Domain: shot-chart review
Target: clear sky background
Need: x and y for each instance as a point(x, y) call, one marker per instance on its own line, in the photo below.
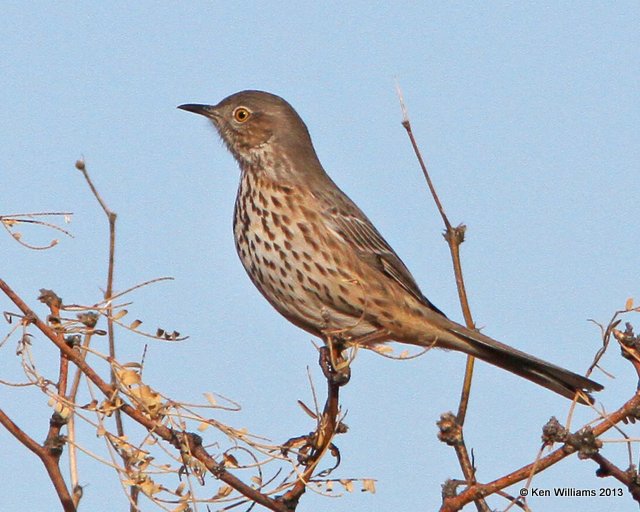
point(528, 116)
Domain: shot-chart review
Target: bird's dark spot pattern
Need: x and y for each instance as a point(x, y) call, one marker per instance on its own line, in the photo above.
point(343, 274)
point(287, 232)
point(321, 269)
point(314, 245)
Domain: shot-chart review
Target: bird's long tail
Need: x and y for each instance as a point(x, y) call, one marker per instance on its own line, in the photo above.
point(550, 376)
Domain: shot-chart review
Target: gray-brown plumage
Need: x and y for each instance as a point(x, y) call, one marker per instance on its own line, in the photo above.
point(320, 261)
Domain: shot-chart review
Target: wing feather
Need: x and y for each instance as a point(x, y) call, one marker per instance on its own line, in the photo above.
point(357, 231)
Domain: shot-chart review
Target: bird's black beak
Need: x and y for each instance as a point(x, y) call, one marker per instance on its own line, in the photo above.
point(203, 110)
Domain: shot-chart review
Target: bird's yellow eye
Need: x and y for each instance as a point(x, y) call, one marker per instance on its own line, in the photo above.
point(241, 114)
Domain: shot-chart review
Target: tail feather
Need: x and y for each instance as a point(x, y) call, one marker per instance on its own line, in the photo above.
point(550, 376)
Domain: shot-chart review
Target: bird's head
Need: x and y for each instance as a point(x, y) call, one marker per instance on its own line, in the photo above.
point(257, 126)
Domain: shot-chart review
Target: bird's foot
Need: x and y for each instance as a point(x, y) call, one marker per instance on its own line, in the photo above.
point(334, 365)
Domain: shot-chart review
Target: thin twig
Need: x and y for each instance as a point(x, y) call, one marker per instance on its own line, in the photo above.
point(73, 455)
point(177, 438)
point(453, 504)
point(21, 435)
point(48, 460)
point(454, 237)
point(407, 126)
point(9, 221)
point(608, 468)
point(323, 436)
point(53, 442)
point(108, 296)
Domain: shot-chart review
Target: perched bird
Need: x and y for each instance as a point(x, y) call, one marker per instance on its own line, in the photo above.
point(320, 261)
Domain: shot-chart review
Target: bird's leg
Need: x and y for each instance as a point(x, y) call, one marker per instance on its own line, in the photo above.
point(332, 361)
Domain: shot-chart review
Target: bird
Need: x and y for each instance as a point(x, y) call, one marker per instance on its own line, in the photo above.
point(319, 260)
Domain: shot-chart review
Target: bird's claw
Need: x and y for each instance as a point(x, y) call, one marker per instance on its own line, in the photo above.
point(335, 368)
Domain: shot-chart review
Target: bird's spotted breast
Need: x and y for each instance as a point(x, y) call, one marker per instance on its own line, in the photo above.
point(282, 252)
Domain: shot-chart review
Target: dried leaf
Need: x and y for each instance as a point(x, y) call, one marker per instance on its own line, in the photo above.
point(150, 399)
point(628, 306)
point(107, 407)
point(203, 426)
point(230, 460)
point(347, 484)
point(128, 377)
point(369, 485)
point(211, 398)
point(91, 406)
point(223, 492)
point(135, 324)
point(149, 487)
point(120, 314)
point(145, 461)
point(383, 349)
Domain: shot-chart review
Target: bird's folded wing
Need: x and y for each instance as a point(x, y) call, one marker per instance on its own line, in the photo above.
point(358, 232)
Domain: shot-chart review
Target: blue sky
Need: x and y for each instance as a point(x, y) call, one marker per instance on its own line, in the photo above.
point(527, 114)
